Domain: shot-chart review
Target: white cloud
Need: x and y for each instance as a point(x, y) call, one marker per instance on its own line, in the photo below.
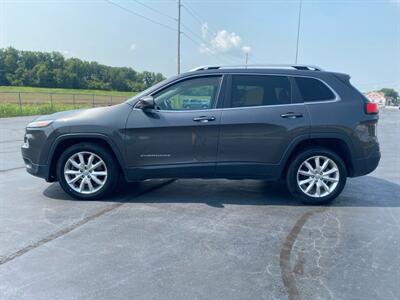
point(204, 30)
point(132, 47)
point(225, 42)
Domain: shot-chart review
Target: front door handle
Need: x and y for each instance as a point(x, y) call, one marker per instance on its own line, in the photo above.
point(291, 115)
point(203, 119)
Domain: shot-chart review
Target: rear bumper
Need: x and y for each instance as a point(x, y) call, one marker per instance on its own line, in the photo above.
point(365, 166)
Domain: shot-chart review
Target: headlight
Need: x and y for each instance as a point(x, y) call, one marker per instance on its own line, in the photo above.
point(39, 124)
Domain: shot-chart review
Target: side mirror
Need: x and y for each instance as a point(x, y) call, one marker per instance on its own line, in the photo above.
point(146, 102)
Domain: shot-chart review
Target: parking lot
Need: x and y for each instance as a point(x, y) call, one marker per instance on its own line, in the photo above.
point(199, 239)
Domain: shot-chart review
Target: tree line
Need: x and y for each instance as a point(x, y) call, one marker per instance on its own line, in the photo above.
point(391, 94)
point(53, 70)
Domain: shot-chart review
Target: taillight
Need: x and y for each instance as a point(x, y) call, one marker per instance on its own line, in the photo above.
point(371, 108)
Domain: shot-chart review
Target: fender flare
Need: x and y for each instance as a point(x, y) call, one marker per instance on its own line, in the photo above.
point(319, 135)
point(68, 136)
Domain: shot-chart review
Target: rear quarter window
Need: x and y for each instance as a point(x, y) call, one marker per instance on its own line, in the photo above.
point(312, 90)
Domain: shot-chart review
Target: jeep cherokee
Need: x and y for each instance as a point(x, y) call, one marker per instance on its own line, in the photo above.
point(298, 123)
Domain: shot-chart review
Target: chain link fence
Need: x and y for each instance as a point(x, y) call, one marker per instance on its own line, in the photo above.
point(74, 100)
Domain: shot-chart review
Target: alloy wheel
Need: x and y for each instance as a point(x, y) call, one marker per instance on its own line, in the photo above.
point(318, 176)
point(85, 172)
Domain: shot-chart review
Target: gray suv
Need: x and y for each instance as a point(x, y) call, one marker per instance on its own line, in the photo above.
point(298, 123)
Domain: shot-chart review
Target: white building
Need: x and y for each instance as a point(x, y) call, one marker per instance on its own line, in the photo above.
point(376, 97)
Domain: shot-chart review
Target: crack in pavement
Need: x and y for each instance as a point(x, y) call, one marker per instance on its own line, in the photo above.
point(12, 169)
point(11, 141)
point(73, 226)
point(288, 277)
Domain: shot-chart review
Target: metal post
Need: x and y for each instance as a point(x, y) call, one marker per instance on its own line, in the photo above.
point(298, 32)
point(110, 100)
point(247, 57)
point(179, 36)
point(93, 100)
point(51, 101)
point(73, 100)
point(20, 102)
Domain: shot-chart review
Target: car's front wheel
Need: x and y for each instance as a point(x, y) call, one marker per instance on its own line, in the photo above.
point(316, 176)
point(87, 171)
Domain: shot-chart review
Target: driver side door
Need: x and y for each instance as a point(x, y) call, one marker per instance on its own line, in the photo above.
point(179, 137)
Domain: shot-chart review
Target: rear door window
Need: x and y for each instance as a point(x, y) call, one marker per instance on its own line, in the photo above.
point(313, 90)
point(259, 90)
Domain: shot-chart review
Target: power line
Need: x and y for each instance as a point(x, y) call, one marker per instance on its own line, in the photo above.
point(205, 42)
point(198, 18)
point(192, 14)
point(156, 10)
point(170, 17)
point(197, 36)
point(193, 33)
point(176, 19)
point(141, 16)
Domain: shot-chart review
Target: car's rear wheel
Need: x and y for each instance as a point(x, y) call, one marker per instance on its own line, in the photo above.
point(87, 171)
point(316, 176)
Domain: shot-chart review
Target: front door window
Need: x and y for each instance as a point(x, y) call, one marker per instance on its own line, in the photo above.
point(191, 94)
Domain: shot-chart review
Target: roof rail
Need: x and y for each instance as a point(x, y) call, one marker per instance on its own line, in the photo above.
point(205, 68)
point(297, 67)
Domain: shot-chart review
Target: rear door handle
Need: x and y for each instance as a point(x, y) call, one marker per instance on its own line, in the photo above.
point(204, 119)
point(291, 115)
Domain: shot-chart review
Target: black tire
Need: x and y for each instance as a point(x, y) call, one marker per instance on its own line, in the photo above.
point(109, 160)
point(291, 175)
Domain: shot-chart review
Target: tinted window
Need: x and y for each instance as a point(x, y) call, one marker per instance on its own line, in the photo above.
point(313, 90)
point(257, 90)
point(191, 94)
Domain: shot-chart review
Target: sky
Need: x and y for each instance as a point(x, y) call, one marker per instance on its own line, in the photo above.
point(361, 38)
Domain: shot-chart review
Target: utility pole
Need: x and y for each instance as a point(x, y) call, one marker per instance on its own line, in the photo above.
point(247, 57)
point(179, 36)
point(298, 32)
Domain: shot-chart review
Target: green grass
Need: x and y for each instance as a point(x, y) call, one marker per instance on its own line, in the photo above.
point(64, 91)
point(13, 110)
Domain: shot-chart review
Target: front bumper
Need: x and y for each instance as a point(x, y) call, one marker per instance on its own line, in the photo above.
point(42, 171)
point(35, 151)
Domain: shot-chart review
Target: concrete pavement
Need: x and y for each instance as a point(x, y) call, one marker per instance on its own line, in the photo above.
point(199, 239)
